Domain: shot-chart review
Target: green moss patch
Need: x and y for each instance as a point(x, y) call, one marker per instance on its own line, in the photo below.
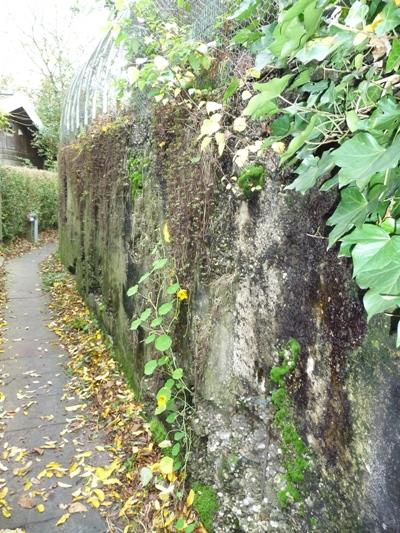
point(206, 504)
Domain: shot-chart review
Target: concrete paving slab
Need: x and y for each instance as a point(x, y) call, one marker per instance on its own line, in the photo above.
point(32, 370)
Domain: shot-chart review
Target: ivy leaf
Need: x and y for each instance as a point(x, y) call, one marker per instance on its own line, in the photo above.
point(376, 303)
point(163, 343)
point(150, 367)
point(245, 10)
point(260, 106)
point(297, 142)
point(361, 156)
point(231, 89)
point(133, 290)
point(173, 289)
point(376, 259)
point(211, 125)
point(317, 49)
point(357, 15)
point(151, 338)
point(220, 140)
point(135, 324)
point(280, 126)
point(178, 373)
point(310, 169)
point(393, 60)
point(165, 308)
point(386, 116)
point(145, 315)
point(351, 211)
point(160, 263)
point(274, 87)
point(390, 19)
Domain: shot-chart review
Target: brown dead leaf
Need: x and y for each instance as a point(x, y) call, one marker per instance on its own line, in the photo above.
point(26, 502)
point(77, 507)
point(39, 451)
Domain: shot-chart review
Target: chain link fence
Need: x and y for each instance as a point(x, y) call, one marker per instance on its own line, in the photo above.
point(94, 90)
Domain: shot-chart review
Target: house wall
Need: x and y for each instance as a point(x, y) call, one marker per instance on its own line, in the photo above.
point(16, 146)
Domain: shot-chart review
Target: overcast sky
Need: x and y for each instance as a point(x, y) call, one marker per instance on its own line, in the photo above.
point(82, 32)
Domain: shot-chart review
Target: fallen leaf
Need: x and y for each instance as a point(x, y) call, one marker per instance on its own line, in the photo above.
point(63, 519)
point(77, 507)
point(26, 502)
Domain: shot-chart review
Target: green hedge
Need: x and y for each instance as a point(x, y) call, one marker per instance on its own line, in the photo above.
point(24, 190)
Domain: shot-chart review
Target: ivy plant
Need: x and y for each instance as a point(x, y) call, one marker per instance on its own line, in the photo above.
point(332, 105)
point(325, 86)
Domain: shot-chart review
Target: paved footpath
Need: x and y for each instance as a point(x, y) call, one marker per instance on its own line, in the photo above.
point(33, 416)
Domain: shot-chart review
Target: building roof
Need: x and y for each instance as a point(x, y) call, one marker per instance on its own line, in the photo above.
point(19, 106)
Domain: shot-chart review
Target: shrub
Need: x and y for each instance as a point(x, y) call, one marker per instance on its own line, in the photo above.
point(24, 190)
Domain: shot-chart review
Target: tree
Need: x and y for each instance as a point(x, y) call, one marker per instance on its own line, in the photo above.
point(49, 50)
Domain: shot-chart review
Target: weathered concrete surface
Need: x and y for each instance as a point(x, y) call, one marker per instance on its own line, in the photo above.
point(258, 273)
point(32, 370)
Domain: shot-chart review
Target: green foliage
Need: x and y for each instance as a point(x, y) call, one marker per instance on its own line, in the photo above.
point(49, 102)
point(23, 191)
point(336, 118)
point(171, 62)
point(137, 171)
point(296, 457)
point(206, 504)
point(4, 122)
point(251, 180)
point(158, 430)
point(156, 320)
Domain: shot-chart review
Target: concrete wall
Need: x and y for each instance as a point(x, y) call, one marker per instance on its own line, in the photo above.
point(258, 273)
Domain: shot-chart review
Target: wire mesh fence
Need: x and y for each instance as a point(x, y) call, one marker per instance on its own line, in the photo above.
point(94, 90)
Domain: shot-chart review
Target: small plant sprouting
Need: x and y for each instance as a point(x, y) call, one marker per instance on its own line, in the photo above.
point(251, 180)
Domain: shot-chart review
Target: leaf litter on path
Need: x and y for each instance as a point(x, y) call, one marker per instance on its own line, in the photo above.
point(105, 405)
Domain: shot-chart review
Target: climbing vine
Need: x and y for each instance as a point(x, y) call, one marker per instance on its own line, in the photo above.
point(156, 320)
point(321, 92)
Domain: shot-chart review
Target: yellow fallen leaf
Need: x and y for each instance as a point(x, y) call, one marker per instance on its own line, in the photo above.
point(40, 508)
point(75, 407)
point(6, 512)
point(190, 498)
point(166, 233)
point(94, 502)
point(166, 465)
point(100, 494)
point(27, 484)
point(63, 519)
